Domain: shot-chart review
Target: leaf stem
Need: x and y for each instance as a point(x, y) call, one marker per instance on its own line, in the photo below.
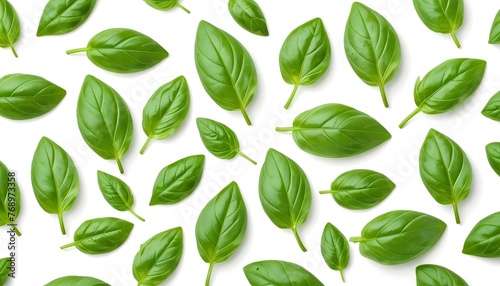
point(14, 51)
point(286, 129)
point(68, 245)
point(290, 99)
point(455, 39)
point(145, 145)
point(61, 222)
point(120, 166)
point(356, 239)
point(209, 274)
point(328, 192)
point(73, 51)
point(246, 157)
point(405, 121)
point(136, 215)
point(245, 115)
point(18, 233)
point(384, 95)
point(457, 215)
point(299, 241)
point(182, 7)
point(342, 275)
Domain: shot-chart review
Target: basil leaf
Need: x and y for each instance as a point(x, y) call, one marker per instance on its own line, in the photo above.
point(77, 281)
point(104, 120)
point(116, 193)
point(484, 239)
point(166, 110)
point(225, 68)
point(360, 189)
point(100, 235)
point(440, 16)
point(336, 131)
point(305, 55)
point(10, 28)
point(24, 96)
point(123, 51)
point(492, 108)
point(495, 30)
point(284, 192)
point(158, 257)
point(178, 180)
point(63, 16)
point(249, 16)
point(219, 139)
point(4, 270)
point(10, 197)
point(445, 170)
point(493, 155)
point(164, 5)
point(274, 272)
point(435, 275)
point(397, 237)
point(372, 47)
point(335, 249)
point(221, 227)
point(447, 86)
point(54, 178)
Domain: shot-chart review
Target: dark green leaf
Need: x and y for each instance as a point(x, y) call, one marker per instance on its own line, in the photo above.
point(284, 192)
point(484, 239)
point(445, 170)
point(123, 51)
point(63, 16)
point(164, 5)
point(372, 47)
point(4, 270)
point(158, 257)
point(104, 120)
point(279, 273)
point(10, 28)
point(493, 155)
point(441, 16)
point(249, 16)
point(116, 193)
point(225, 68)
point(495, 30)
point(435, 275)
point(492, 108)
point(305, 55)
point(24, 96)
point(360, 189)
point(166, 110)
point(447, 86)
point(10, 198)
point(54, 178)
point(178, 180)
point(101, 235)
point(221, 227)
point(335, 249)
point(77, 281)
point(397, 237)
point(336, 131)
point(219, 139)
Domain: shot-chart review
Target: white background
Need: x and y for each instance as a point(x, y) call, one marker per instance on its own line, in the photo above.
point(39, 258)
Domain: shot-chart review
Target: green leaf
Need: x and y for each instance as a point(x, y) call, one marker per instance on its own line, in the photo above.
point(249, 16)
point(445, 170)
point(435, 275)
point(10, 198)
point(158, 257)
point(221, 227)
point(104, 120)
point(335, 249)
point(166, 110)
point(123, 51)
point(372, 47)
point(284, 192)
point(4, 270)
point(165, 5)
point(360, 189)
point(77, 281)
point(101, 235)
point(116, 193)
point(399, 236)
point(493, 155)
point(274, 272)
point(10, 28)
point(24, 96)
point(441, 16)
point(178, 180)
point(54, 178)
point(492, 108)
point(336, 131)
point(447, 86)
point(484, 239)
point(63, 16)
point(305, 55)
point(495, 30)
point(219, 139)
point(225, 68)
